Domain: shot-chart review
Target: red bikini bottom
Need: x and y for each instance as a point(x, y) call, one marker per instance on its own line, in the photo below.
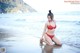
point(51, 36)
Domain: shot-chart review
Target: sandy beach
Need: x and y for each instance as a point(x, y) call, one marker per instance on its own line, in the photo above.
point(28, 44)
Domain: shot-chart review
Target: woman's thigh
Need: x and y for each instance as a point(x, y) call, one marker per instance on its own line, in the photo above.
point(56, 40)
point(48, 40)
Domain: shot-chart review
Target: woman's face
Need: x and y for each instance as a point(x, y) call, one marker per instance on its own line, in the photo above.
point(48, 18)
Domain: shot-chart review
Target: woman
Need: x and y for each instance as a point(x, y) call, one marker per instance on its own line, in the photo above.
point(48, 35)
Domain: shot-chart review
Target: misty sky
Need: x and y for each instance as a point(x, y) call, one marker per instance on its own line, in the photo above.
point(54, 5)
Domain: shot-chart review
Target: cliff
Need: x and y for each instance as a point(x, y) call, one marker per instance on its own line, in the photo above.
point(14, 6)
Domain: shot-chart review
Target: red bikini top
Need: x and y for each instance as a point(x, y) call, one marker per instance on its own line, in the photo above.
point(51, 27)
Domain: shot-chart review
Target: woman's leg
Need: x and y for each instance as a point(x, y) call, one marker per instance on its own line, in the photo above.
point(56, 41)
point(48, 40)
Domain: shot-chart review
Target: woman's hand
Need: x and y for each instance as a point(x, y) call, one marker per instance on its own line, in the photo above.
point(41, 41)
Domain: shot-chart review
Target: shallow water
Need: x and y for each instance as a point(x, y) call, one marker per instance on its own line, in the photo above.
point(15, 28)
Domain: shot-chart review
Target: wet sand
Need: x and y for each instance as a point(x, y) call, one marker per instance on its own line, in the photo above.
point(28, 44)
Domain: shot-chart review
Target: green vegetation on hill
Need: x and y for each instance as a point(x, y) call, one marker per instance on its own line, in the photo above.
point(14, 6)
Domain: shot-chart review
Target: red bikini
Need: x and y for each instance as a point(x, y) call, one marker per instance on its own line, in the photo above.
point(50, 28)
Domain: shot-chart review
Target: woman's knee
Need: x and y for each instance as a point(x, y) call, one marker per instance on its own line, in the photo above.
point(49, 43)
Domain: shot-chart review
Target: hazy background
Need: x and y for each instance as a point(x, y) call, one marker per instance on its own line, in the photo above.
point(17, 29)
point(54, 5)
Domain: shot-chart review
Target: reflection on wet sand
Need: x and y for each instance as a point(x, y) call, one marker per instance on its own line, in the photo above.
point(3, 34)
point(49, 48)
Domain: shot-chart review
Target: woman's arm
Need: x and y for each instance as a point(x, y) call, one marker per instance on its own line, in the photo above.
point(55, 23)
point(44, 30)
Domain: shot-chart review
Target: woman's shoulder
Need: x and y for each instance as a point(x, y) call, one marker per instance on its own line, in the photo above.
point(46, 23)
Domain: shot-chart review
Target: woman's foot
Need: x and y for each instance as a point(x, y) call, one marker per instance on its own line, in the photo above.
point(58, 44)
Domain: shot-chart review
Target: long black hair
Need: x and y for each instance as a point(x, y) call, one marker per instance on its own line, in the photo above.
point(50, 14)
